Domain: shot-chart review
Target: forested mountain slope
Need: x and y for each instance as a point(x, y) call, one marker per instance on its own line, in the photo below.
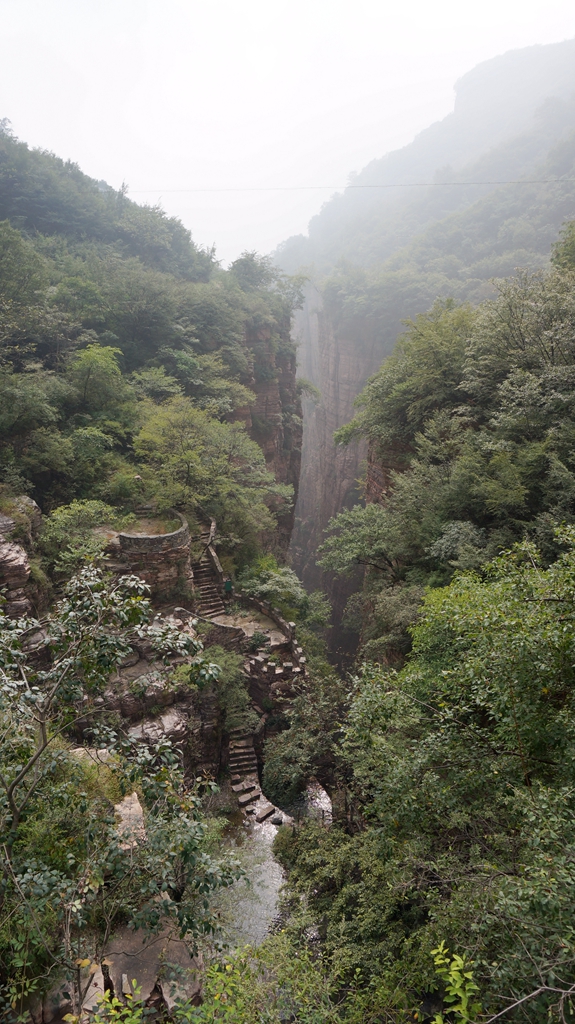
point(42, 194)
point(132, 368)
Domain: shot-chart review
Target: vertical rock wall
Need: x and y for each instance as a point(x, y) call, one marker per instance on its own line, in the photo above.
point(338, 361)
point(328, 480)
point(274, 421)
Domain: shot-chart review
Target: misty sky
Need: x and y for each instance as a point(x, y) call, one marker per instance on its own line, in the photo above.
point(182, 94)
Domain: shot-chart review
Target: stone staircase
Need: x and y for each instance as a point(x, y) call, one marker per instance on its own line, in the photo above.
point(208, 598)
point(245, 780)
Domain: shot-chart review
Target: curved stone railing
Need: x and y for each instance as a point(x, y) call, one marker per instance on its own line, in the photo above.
point(213, 559)
point(142, 543)
point(287, 628)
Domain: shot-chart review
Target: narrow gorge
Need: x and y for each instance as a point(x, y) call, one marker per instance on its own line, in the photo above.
point(287, 579)
point(376, 257)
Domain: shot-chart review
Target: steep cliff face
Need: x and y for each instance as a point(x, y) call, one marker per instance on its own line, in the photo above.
point(380, 468)
point(274, 420)
point(20, 524)
point(338, 364)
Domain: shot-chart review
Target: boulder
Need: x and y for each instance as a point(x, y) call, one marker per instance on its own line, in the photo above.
point(150, 960)
point(173, 724)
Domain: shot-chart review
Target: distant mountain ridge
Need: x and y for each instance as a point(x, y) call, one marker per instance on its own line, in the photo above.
point(508, 113)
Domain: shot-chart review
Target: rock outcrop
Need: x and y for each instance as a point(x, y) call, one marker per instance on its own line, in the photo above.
point(14, 575)
point(21, 522)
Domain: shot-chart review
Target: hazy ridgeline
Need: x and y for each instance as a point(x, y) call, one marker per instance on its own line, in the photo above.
point(377, 256)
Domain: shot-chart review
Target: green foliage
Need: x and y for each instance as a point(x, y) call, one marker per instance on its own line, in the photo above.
point(68, 872)
point(458, 781)
point(564, 250)
point(316, 611)
point(460, 988)
point(309, 744)
point(471, 421)
point(22, 271)
point(309, 390)
point(69, 536)
point(97, 378)
point(257, 641)
point(203, 462)
point(41, 193)
point(269, 984)
point(110, 1008)
point(231, 689)
point(422, 376)
point(278, 585)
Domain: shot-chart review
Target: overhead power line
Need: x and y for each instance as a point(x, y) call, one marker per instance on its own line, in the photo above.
point(339, 188)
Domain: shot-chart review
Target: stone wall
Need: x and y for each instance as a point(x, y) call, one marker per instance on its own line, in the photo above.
point(162, 560)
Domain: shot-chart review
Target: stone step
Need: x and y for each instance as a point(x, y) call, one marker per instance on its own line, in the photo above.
point(244, 769)
point(265, 810)
point(249, 798)
point(244, 787)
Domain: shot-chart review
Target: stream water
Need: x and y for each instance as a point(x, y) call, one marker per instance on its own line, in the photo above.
point(247, 909)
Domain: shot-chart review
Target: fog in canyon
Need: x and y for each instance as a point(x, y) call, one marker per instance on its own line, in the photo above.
point(243, 119)
point(375, 256)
